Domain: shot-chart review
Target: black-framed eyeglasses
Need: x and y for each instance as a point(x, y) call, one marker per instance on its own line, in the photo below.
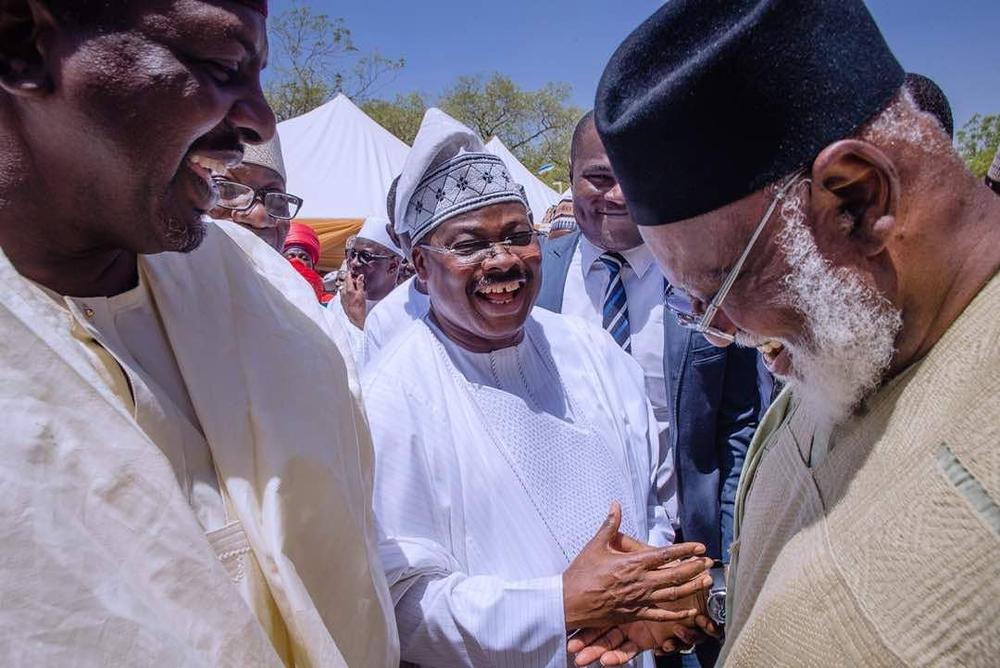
point(475, 251)
point(365, 257)
point(241, 197)
point(682, 305)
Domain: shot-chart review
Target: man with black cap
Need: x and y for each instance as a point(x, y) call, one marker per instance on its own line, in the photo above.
point(802, 203)
point(180, 486)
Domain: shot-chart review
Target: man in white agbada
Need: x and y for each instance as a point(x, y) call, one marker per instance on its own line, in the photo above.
point(373, 260)
point(186, 476)
point(406, 303)
point(503, 434)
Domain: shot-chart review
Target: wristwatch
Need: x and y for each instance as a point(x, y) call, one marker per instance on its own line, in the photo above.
point(717, 594)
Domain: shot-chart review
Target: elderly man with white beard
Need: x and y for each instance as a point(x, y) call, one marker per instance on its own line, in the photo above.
point(830, 222)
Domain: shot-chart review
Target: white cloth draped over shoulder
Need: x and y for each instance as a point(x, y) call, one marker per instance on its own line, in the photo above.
point(493, 470)
point(104, 562)
point(395, 313)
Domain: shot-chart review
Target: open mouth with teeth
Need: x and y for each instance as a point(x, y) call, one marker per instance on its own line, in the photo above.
point(204, 167)
point(501, 292)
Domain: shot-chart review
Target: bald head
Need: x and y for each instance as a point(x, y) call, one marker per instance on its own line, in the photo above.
point(585, 123)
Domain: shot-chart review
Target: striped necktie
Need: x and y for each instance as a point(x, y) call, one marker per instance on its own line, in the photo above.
point(615, 302)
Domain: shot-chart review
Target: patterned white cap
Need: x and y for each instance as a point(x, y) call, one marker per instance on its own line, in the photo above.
point(267, 155)
point(447, 173)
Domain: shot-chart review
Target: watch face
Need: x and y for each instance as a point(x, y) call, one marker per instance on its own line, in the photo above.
point(717, 607)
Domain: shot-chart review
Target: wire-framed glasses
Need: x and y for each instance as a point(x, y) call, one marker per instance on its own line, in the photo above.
point(240, 197)
point(475, 251)
point(682, 305)
point(365, 257)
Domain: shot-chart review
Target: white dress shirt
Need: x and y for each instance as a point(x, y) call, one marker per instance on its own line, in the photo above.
point(583, 296)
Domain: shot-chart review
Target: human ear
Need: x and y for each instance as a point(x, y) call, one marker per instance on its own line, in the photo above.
point(419, 262)
point(24, 59)
point(854, 197)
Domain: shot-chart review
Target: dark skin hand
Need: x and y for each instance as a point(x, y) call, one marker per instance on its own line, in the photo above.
point(609, 583)
point(618, 645)
point(354, 299)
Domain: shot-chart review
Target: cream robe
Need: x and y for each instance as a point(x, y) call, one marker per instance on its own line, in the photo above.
point(104, 562)
point(886, 552)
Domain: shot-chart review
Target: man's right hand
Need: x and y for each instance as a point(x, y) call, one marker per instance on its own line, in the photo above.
point(607, 586)
point(354, 299)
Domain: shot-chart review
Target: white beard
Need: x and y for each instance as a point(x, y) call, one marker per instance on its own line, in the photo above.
point(850, 328)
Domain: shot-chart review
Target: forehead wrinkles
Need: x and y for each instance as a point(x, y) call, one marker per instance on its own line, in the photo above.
point(200, 24)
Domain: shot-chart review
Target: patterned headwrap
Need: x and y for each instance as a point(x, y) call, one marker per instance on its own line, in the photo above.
point(448, 173)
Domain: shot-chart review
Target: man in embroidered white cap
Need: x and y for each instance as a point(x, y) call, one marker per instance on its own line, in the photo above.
point(253, 195)
point(504, 434)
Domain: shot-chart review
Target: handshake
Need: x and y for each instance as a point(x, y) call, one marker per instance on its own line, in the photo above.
point(624, 597)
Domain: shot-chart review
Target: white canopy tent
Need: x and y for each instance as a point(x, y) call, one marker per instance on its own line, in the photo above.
point(340, 161)
point(540, 196)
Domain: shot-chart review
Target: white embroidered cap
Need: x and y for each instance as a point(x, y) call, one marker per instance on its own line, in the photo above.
point(447, 173)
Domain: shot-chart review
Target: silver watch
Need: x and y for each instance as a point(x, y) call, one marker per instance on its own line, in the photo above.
point(717, 595)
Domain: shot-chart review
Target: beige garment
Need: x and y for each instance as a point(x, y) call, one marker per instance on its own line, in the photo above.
point(104, 562)
point(127, 328)
point(126, 332)
point(885, 553)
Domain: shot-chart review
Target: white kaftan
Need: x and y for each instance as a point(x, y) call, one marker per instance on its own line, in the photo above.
point(390, 316)
point(493, 470)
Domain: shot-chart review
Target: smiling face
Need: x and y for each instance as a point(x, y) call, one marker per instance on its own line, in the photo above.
point(140, 114)
point(482, 306)
point(598, 202)
point(824, 327)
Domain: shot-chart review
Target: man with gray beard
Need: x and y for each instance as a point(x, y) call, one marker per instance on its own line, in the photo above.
point(830, 223)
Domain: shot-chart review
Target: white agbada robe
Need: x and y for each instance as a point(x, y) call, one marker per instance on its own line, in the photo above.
point(148, 484)
point(397, 311)
point(493, 470)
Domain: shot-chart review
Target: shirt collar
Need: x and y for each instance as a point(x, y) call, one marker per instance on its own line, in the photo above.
point(639, 258)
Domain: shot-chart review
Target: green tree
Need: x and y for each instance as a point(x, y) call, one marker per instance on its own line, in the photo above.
point(978, 141)
point(537, 126)
point(315, 58)
point(401, 116)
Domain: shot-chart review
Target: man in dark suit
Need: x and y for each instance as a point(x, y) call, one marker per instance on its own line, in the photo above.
point(706, 399)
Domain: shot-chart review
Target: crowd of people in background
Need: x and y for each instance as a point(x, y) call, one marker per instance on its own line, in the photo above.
point(733, 400)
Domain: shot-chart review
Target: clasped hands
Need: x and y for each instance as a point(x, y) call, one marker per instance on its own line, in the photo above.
point(628, 597)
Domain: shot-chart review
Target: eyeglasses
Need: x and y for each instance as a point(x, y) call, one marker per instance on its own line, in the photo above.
point(476, 250)
point(365, 257)
point(681, 303)
point(239, 197)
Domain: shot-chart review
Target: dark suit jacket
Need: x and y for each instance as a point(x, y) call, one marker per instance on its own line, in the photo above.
point(716, 404)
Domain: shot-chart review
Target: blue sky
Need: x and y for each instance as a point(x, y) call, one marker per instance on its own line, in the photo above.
point(537, 41)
